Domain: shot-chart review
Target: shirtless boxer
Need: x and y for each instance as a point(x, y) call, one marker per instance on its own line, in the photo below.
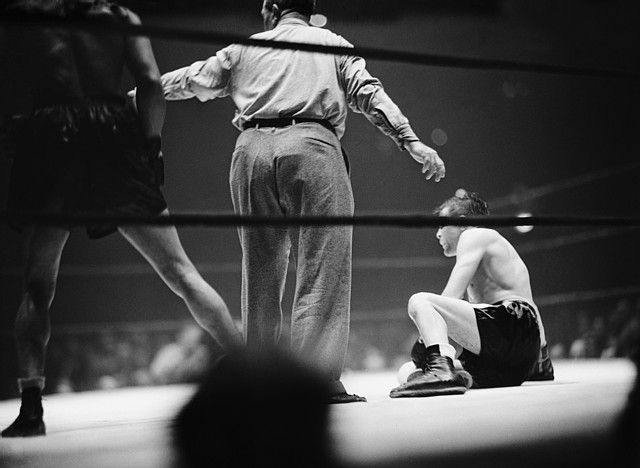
point(485, 317)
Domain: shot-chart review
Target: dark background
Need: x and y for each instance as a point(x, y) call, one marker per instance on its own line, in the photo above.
point(539, 142)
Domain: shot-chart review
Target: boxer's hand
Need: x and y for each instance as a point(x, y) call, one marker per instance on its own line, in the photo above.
point(432, 165)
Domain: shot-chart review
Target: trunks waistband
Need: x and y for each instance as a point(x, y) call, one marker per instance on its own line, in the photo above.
point(511, 300)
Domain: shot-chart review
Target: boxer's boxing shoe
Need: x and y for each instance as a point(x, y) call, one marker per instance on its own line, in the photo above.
point(29, 422)
point(438, 378)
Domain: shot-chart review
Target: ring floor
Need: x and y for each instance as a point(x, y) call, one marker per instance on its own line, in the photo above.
point(567, 422)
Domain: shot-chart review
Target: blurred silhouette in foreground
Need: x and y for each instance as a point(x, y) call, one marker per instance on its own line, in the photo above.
point(626, 435)
point(255, 410)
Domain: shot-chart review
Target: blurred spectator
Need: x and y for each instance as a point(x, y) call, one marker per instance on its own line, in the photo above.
point(628, 339)
point(363, 354)
point(140, 360)
point(373, 359)
point(258, 410)
point(592, 338)
point(618, 319)
point(557, 351)
point(72, 373)
point(356, 352)
point(90, 360)
point(612, 334)
point(184, 360)
point(110, 361)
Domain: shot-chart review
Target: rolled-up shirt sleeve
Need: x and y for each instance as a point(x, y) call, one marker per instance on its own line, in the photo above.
point(366, 95)
point(205, 79)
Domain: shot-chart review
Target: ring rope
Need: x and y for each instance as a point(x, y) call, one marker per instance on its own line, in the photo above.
point(380, 315)
point(415, 221)
point(572, 239)
point(584, 296)
point(367, 263)
point(553, 187)
point(406, 221)
point(366, 52)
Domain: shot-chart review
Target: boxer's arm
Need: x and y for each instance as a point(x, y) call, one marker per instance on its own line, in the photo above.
point(471, 249)
point(148, 97)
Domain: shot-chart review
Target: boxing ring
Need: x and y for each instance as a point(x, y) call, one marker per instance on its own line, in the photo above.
point(567, 422)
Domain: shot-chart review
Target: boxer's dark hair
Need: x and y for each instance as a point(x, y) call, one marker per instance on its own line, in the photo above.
point(464, 204)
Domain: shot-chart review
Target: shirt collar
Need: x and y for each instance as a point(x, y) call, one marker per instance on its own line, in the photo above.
point(291, 22)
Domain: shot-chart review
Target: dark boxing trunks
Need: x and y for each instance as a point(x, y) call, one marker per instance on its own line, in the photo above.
point(510, 345)
point(84, 157)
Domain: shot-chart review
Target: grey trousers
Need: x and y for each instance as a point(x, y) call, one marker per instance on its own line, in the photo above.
point(295, 170)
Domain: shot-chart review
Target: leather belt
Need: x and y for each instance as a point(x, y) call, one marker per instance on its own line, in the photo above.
point(285, 122)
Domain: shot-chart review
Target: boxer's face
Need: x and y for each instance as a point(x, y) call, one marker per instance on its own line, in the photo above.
point(448, 236)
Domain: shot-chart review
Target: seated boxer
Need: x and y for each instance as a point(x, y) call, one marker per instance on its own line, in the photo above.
point(485, 317)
